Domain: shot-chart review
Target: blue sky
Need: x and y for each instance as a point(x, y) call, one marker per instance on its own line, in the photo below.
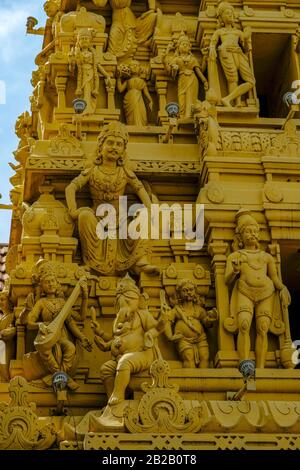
point(17, 54)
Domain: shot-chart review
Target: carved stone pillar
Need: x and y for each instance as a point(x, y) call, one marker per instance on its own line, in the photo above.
point(226, 350)
point(161, 87)
point(20, 342)
point(61, 84)
point(111, 95)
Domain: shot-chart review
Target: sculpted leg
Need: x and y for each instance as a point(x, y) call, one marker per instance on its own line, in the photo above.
point(262, 327)
point(130, 363)
point(243, 340)
point(187, 357)
point(204, 355)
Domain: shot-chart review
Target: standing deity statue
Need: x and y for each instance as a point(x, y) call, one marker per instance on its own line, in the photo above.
point(131, 81)
point(127, 31)
point(184, 66)
point(253, 272)
point(84, 58)
point(234, 61)
point(54, 13)
point(186, 324)
point(61, 355)
point(107, 180)
point(134, 343)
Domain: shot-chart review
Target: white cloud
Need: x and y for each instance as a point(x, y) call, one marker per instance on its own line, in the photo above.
point(13, 27)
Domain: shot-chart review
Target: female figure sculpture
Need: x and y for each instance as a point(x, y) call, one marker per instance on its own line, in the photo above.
point(107, 180)
point(184, 65)
point(136, 86)
point(127, 31)
point(61, 356)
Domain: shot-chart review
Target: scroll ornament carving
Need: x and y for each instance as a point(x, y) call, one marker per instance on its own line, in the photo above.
point(162, 409)
point(20, 427)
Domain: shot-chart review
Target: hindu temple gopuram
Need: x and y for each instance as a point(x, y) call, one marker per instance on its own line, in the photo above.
point(146, 116)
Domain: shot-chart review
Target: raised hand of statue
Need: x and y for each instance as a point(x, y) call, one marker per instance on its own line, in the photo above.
point(43, 329)
point(285, 296)
point(174, 70)
point(86, 343)
point(212, 315)
point(97, 329)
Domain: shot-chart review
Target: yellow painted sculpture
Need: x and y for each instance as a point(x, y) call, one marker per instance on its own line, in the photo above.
point(107, 179)
point(131, 81)
point(197, 350)
point(83, 56)
point(127, 31)
point(255, 278)
point(52, 10)
point(134, 344)
point(234, 61)
point(61, 356)
point(184, 66)
point(186, 326)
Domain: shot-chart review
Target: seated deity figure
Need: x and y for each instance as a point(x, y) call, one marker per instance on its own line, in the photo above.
point(186, 324)
point(61, 356)
point(134, 343)
point(131, 81)
point(107, 180)
point(253, 273)
point(184, 66)
point(83, 58)
point(127, 31)
point(234, 61)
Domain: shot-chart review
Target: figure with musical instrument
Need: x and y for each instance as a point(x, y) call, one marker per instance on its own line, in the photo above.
point(54, 318)
point(186, 326)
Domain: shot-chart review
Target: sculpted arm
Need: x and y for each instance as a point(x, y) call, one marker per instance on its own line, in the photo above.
point(139, 189)
point(283, 291)
point(232, 268)
point(33, 316)
point(72, 188)
point(213, 44)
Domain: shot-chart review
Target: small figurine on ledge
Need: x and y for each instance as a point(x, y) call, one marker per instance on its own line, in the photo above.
point(184, 65)
point(130, 80)
point(234, 61)
point(186, 326)
point(83, 58)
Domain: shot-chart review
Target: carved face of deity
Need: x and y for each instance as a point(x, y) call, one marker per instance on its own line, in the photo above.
point(134, 67)
point(113, 148)
point(49, 284)
point(187, 292)
point(227, 16)
point(184, 46)
point(250, 235)
point(84, 41)
point(51, 8)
